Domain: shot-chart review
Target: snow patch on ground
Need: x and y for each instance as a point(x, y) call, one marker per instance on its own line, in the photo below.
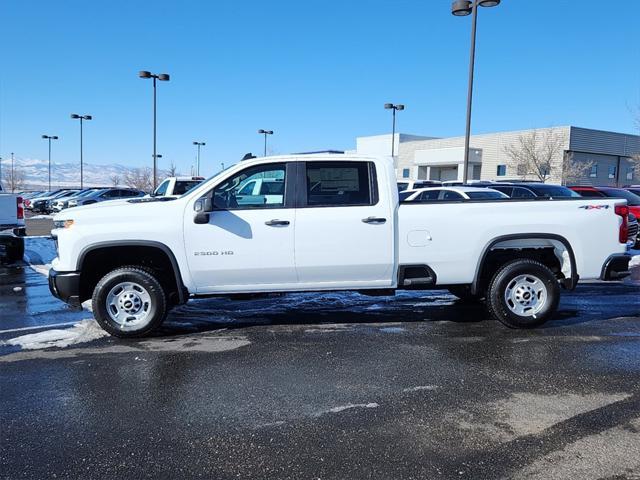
point(39, 252)
point(82, 332)
point(353, 405)
point(420, 388)
point(635, 261)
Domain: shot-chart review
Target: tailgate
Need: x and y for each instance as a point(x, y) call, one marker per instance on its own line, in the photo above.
point(8, 210)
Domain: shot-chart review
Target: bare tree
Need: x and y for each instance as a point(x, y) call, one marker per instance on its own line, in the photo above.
point(115, 180)
point(13, 179)
point(173, 171)
point(140, 178)
point(534, 153)
point(573, 171)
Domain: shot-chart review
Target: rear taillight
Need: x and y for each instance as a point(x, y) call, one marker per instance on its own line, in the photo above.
point(20, 208)
point(623, 211)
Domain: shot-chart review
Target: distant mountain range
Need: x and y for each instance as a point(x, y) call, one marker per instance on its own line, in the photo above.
point(36, 173)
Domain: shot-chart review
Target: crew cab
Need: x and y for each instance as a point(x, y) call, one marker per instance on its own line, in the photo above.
point(336, 225)
point(12, 226)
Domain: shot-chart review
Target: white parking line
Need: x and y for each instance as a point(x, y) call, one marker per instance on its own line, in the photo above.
point(39, 327)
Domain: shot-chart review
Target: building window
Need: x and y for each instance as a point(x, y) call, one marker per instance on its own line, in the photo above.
point(406, 172)
point(594, 171)
point(630, 170)
point(502, 170)
point(612, 171)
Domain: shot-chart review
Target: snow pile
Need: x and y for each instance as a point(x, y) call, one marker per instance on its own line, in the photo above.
point(81, 332)
point(635, 260)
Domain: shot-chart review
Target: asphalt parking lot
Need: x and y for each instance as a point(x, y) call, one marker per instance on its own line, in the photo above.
point(323, 386)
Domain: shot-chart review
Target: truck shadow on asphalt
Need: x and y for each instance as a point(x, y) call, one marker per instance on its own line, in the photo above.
point(588, 303)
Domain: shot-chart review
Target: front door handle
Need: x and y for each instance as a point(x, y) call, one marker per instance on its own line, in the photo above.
point(374, 220)
point(277, 223)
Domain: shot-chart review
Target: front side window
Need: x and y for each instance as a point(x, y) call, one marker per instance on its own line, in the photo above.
point(429, 195)
point(162, 189)
point(340, 184)
point(230, 194)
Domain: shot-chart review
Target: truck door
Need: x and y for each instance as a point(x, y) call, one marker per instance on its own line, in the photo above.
point(247, 244)
point(344, 231)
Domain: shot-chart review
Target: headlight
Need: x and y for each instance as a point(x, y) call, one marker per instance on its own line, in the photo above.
point(62, 224)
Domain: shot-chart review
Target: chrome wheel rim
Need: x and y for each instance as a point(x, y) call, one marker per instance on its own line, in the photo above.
point(129, 305)
point(526, 295)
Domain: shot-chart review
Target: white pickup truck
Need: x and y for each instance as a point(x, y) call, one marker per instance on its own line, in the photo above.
point(12, 227)
point(336, 225)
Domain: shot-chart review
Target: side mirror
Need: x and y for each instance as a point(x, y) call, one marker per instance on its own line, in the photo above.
point(202, 208)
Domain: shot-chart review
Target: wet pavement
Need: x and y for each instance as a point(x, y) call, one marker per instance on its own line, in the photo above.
point(326, 386)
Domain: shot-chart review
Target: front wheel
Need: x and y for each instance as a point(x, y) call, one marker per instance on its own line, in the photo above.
point(129, 302)
point(523, 294)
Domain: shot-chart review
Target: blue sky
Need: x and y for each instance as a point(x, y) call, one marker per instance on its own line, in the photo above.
point(316, 72)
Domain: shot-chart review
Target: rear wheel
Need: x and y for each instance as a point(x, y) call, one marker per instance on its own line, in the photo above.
point(523, 294)
point(463, 292)
point(129, 302)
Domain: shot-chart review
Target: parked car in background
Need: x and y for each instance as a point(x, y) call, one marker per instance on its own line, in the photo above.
point(531, 190)
point(104, 195)
point(176, 186)
point(12, 226)
point(633, 200)
point(404, 185)
point(450, 194)
point(635, 189)
point(41, 204)
point(48, 205)
point(61, 203)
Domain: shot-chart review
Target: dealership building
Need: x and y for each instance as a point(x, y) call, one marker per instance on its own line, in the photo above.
point(431, 158)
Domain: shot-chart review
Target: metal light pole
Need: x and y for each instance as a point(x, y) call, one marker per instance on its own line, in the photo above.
point(81, 118)
point(13, 178)
point(50, 137)
point(462, 8)
point(198, 144)
point(163, 77)
point(265, 133)
point(391, 106)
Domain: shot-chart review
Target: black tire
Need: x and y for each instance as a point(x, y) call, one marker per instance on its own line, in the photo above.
point(541, 306)
point(156, 306)
point(463, 292)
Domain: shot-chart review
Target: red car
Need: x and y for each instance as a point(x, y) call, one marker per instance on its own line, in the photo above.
point(632, 199)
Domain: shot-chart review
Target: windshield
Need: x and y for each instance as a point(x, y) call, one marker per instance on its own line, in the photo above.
point(552, 191)
point(631, 198)
point(488, 195)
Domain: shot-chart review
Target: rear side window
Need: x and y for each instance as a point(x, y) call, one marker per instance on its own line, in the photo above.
point(430, 195)
point(340, 184)
point(519, 192)
point(182, 187)
point(590, 193)
point(449, 195)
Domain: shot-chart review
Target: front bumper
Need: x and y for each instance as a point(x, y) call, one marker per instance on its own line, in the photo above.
point(65, 286)
point(616, 267)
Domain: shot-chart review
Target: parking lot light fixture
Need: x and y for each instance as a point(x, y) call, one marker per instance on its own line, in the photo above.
point(163, 77)
point(198, 144)
point(75, 116)
point(265, 133)
point(49, 138)
point(394, 108)
point(461, 8)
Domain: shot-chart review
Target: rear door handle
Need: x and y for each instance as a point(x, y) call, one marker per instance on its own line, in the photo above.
point(277, 223)
point(374, 220)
